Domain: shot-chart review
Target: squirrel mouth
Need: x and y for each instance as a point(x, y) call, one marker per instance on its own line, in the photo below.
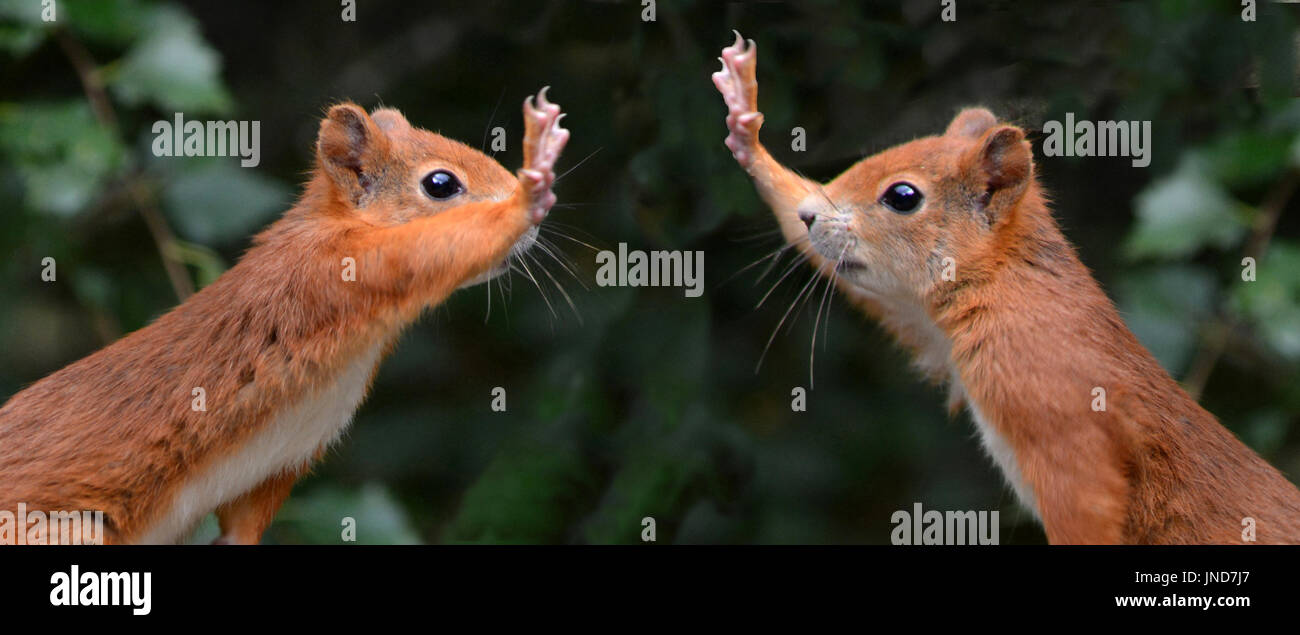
point(504, 266)
point(847, 266)
point(499, 269)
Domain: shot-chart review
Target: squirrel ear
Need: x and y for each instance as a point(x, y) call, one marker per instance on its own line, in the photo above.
point(390, 119)
point(347, 146)
point(971, 122)
point(1003, 165)
point(1004, 158)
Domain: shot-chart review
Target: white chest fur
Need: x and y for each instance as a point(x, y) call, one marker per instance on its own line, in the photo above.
point(289, 441)
point(1001, 452)
point(933, 356)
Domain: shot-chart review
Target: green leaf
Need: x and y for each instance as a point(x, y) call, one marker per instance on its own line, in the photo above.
point(1163, 306)
point(109, 21)
point(318, 517)
point(1184, 212)
point(527, 494)
point(20, 40)
point(650, 483)
point(171, 67)
point(23, 12)
point(1272, 301)
point(62, 154)
point(1250, 158)
point(217, 201)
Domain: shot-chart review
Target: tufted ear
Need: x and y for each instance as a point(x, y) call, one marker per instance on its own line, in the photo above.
point(1005, 158)
point(971, 122)
point(1002, 163)
point(349, 148)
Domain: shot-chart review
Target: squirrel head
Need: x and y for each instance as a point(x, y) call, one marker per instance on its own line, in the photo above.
point(380, 168)
point(890, 222)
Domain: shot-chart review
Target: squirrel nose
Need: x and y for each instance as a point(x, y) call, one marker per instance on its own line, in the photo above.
point(807, 216)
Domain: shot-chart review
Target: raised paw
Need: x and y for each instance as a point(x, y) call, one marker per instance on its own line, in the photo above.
point(543, 141)
point(739, 88)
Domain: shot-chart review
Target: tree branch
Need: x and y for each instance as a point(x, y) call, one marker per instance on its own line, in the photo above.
point(1256, 246)
point(92, 84)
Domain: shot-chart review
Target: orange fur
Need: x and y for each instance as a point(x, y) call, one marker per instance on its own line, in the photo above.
point(243, 519)
point(1023, 334)
point(116, 432)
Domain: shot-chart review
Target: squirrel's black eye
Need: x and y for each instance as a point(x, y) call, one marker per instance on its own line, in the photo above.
point(441, 185)
point(902, 198)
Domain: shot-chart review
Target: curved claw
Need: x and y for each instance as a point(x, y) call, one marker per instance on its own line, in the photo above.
point(740, 47)
point(543, 141)
point(737, 83)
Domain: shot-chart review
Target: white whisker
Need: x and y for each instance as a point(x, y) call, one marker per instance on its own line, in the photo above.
point(793, 265)
point(560, 288)
point(584, 160)
point(537, 284)
point(776, 330)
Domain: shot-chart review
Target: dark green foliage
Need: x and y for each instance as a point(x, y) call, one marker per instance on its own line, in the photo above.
point(650, 405)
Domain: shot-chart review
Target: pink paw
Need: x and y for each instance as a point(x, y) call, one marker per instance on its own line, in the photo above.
point(736, 81)
point(543, 141)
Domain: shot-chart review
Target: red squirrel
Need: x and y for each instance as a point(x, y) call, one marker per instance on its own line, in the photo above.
point(225, 401)
point(1022, 333)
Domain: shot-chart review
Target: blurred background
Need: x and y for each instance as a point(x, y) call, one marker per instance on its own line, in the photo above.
point(641, 402)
